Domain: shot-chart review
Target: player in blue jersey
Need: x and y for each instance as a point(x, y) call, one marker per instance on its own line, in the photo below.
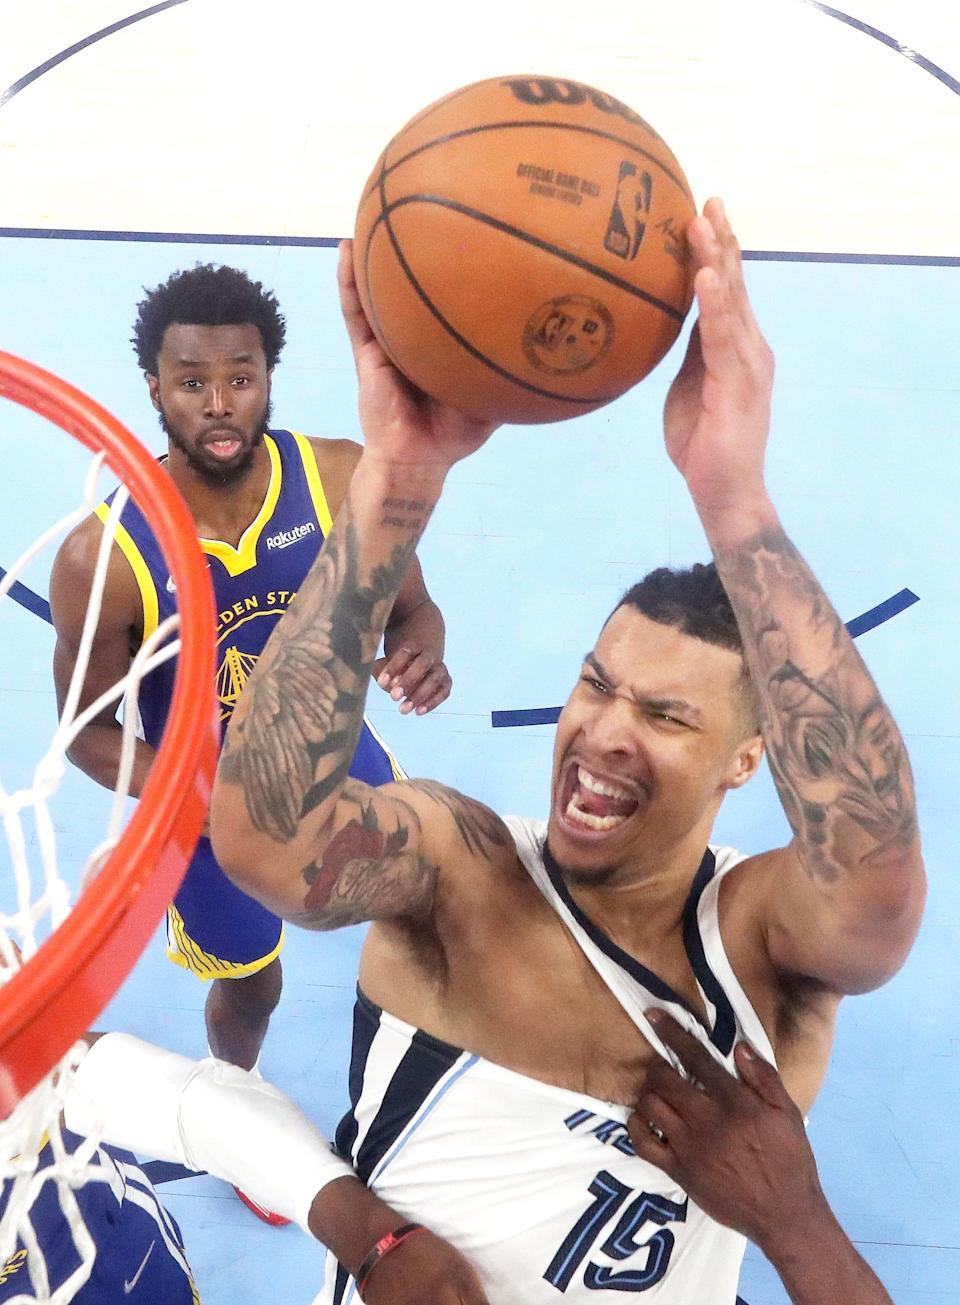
point(213, 1117)
point(502, 1032)
point(263, 500)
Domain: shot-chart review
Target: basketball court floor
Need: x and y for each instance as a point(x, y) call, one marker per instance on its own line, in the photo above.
point(133, 143)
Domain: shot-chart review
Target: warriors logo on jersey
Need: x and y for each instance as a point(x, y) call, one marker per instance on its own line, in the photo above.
point(213, 929)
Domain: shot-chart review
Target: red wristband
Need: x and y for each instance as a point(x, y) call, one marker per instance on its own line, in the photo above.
point(383, 1247)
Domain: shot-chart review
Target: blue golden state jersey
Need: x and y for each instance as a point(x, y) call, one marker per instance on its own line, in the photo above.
point(253, 583)
point(213, 929)
point(139, 1249)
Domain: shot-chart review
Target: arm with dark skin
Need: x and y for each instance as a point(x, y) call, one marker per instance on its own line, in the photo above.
point(288, 826)
point(848, 893)
point(412, 669)
point(739, 1149)
point(424, 1270)
point(96, 749)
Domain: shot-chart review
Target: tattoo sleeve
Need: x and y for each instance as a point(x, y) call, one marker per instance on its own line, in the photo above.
point(295, 730)
point(838, 760)
point(372, 866)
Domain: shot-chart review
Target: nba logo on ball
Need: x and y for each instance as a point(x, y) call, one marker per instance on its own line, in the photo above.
point(520, 250)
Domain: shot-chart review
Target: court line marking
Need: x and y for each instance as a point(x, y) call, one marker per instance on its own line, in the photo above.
point(331, 242)
point(891, 42)
point(24, 595)
point(22, 82)
point(858, 625)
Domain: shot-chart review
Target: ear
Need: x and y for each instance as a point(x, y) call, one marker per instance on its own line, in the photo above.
point(745, 761)
point(153, 385)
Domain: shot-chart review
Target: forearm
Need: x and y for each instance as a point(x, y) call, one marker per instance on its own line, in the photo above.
point(97, 750)
point(293, 735)
point(836, 755)
point(430, 626)
point(348, 1218)
point(818, 1265)
point(210, 1116)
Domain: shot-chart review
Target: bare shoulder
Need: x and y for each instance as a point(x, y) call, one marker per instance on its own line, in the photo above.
point(797, 1011)
point(336, 460)
point(72, 577)
point(745, 916)
point(465, 826)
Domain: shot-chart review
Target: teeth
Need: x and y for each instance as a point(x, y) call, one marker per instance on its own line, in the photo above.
point(588, 818)
point(602, 787)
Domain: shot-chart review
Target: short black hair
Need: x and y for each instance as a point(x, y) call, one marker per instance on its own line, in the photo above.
point(207, 295)
point(694, 601)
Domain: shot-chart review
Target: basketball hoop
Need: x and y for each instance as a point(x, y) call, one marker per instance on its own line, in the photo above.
point(53, 998)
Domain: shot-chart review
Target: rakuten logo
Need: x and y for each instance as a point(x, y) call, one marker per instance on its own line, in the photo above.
point(284, 538)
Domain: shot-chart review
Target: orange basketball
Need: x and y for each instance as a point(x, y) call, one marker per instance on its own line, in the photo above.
point(520, 249)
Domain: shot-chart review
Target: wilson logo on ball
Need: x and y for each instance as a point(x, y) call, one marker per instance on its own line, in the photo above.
point(549, 90)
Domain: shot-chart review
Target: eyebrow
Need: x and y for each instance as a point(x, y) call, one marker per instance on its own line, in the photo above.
point(670, 705)
point(198, 362)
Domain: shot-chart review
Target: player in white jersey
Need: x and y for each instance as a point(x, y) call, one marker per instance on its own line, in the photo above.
point(518, 967)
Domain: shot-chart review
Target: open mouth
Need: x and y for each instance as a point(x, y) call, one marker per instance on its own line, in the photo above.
point(223, 448)
point(589, 803)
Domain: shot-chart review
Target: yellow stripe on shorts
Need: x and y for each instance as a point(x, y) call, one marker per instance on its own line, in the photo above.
point(183, 951)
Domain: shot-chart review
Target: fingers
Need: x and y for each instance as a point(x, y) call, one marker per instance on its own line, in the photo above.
point(762, 1077)
point(693, 1056)
point(413, 679)
point(358, 328)
point(655, 1147)
point(433, 689)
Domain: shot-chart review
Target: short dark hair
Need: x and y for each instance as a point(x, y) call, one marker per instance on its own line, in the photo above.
point(694, 601)
point(206, 295)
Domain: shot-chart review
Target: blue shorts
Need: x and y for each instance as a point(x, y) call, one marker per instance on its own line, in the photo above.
point(139, 1249)
point(216, 931)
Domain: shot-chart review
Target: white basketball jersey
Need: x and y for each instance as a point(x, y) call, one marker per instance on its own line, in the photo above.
point(539, 1186)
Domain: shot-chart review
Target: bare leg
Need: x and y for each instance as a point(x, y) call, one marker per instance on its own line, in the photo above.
point(238, 1012)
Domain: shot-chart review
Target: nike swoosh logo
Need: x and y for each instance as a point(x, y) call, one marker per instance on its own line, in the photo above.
point(129, 1286)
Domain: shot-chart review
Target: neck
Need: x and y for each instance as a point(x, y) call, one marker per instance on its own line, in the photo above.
point(641, 902)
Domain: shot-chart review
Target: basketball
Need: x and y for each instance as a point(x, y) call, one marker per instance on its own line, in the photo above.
point(520, 249)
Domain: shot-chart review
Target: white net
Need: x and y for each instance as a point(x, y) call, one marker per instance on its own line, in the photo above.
point(42, 1172)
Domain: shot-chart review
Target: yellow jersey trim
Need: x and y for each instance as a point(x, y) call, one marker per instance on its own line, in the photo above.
point(183, 951)
point(314, 483)
point(244, 556)
point(141, 572)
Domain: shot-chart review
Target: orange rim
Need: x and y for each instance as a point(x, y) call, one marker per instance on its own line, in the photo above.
point(64, 987)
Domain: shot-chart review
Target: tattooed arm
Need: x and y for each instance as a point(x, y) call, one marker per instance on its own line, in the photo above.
point(845, 898)
point(287, 825)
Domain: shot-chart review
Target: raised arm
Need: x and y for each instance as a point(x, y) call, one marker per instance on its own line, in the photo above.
point(287, 825)
point(846, 897)
point(96, 750)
